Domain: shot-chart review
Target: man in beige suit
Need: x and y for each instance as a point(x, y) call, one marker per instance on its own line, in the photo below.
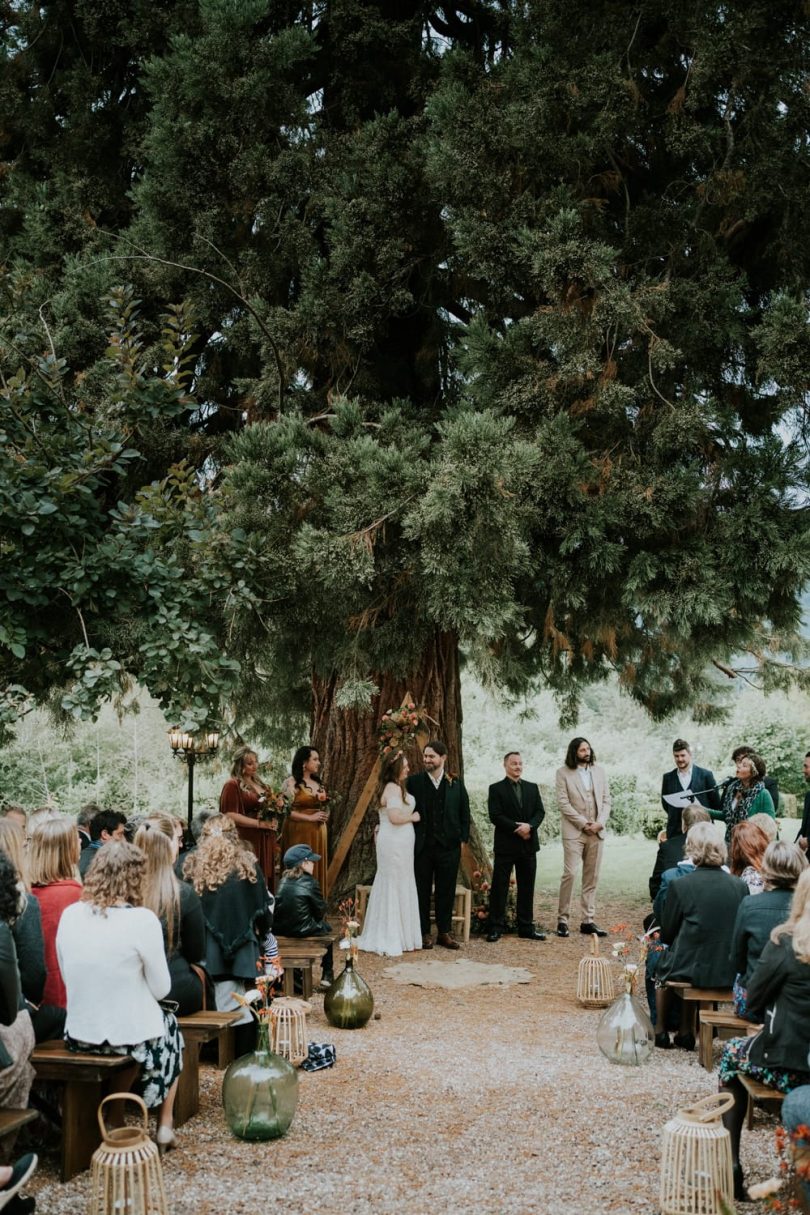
point(584, 801)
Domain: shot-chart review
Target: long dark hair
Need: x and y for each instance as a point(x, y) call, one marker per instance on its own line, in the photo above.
point(299, 759)
point(9, 890)
point(571, 760)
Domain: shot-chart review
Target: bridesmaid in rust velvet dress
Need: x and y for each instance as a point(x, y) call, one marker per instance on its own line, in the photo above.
point(308, 816)
point(246, 798)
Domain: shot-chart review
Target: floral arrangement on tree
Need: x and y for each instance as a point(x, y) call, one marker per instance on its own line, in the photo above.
point(399, 727)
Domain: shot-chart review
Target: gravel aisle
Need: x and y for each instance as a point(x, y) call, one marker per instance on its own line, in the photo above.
point(491, 1099)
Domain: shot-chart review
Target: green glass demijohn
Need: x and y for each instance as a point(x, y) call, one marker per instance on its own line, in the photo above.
point(260, 1092)
point(348, 1003)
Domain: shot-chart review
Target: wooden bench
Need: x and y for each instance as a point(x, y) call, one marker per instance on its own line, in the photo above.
point(85, 1079)
point(12, 1120)
point(704, 997)
point(462, 909)
point(301, 953)
point(758, 1093)
point(724, 1025)
point(197, 1029)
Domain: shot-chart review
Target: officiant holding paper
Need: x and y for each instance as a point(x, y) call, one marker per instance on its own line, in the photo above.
point(685, 784)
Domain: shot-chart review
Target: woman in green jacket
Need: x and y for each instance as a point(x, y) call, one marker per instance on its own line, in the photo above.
point(745, 795)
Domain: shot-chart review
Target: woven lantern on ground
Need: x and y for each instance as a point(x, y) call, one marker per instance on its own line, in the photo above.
point(696, 1177)
point(126, 1172)
point(594, 979)
point(288, 1020)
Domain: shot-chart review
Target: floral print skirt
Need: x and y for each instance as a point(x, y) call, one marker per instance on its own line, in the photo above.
point(735, 1062)
point(161, 1059)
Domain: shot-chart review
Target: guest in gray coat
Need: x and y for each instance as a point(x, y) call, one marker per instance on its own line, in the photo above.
point(782, 866)
point(697, 925)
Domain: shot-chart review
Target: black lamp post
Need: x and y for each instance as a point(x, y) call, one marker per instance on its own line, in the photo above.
point(190, 748)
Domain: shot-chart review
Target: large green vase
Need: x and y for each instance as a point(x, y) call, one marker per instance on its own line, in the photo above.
point(348, 1003)
point(260, 1092)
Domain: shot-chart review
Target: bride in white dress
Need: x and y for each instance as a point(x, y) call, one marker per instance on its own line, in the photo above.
point(391, 925)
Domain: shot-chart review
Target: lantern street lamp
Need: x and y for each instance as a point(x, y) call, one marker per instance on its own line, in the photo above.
point(189, 748)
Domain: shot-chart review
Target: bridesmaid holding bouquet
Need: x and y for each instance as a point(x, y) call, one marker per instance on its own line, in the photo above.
point(308, 815)
point(255, 809)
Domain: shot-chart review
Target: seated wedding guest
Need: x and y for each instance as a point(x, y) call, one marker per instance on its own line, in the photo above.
point(235, 904)
point(106, 826)
point(47, 1019)
point(779, 997)
point(697, 925)
point(300, 909)
point(782, 866)
point(767, 824)
point(16, 1036)
point(110, 950)
point(17, 814)
point(671, 850)
point(748, 844)
point(16, 1030)
point(83, 820)
point(795, 1117)
point(745, 794)
point(177, 905)
point(53, 854)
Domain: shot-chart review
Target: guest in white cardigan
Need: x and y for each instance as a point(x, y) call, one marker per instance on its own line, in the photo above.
point(112, 959)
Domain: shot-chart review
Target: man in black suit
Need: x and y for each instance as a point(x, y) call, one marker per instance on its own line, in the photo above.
point(686, 777)
point(804, 830)
point(443, 826)
point(516, 811)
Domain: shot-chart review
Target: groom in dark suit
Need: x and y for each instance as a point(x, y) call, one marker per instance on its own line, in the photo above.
point(516, 810)
point(686, 777)
point(443, 826)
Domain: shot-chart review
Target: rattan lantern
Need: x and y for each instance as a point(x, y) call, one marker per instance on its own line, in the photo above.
point(696, 1177)
point(594, 979)
point(288, 1020)
point(126, 1171)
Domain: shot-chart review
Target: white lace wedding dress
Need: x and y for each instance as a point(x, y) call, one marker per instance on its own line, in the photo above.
point(391, 925)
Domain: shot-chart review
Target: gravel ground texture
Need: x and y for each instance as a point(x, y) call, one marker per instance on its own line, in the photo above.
point(493, 1099)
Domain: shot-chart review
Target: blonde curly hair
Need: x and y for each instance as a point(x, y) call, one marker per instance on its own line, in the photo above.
point(115, 876)
point(219, 854)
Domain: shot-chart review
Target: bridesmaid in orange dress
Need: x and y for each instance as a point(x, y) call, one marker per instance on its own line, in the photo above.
point(308, 816)
point(244, 798)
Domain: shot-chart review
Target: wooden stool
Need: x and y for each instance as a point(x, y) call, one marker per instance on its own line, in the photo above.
point(288, 1029)
point(758, 1093)
point(361, 894)
point(724, 1024)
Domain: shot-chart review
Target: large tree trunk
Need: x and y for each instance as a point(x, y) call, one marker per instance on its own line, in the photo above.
point(347, 742)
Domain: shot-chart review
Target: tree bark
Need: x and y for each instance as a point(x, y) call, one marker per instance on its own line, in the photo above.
point(347, 742)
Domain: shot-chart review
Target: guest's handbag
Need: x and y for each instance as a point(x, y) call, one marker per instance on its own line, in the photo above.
point(321, 1055)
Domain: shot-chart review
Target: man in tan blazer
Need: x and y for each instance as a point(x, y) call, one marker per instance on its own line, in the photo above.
point(584, 801)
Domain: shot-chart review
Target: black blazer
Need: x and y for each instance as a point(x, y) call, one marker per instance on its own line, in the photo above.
point(779, 996)
point(505, 812)
point(805, 827)
point(669, 853)
point(698, 924)
point(756, 918)
point(454, 827)
point(702, 779)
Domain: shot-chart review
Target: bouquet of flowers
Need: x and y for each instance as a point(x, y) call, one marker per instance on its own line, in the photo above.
point(399, 727)
point(273, 804)
point(350, 925)
point(259, 999)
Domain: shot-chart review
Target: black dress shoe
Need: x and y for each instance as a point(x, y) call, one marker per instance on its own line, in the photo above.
point(590, 930)
point(494, 935)
point(562, 930)
point(534, 935)
point(685, 1041)
point(662, 1042)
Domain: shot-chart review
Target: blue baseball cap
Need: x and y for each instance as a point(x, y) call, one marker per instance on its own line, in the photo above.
point(298, 854)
